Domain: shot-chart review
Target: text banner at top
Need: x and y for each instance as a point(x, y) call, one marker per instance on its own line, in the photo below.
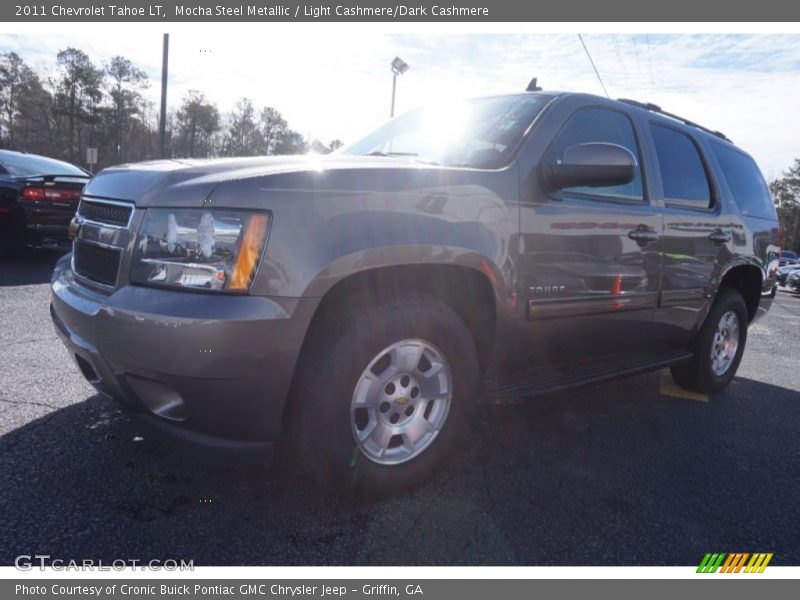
point(423, 11)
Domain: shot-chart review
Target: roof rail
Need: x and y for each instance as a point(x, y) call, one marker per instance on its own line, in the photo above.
point(657, 109)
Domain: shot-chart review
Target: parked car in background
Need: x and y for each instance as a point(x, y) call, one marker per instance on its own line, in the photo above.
point(788, 258)
point(793, 281)
point(362, 302)
point(785, 271)
point(38, 197)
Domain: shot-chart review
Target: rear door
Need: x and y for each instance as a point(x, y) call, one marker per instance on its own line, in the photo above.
point(697, 231)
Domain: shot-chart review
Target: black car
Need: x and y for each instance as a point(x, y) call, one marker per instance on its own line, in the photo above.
point(38, 197)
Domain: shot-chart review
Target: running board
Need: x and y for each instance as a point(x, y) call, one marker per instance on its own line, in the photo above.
point(543, 380)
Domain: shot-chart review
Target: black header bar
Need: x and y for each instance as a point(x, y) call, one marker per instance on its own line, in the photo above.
point(420, 11)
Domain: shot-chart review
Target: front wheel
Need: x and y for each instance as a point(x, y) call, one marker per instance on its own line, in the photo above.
point(718, 347)
point(382, 401)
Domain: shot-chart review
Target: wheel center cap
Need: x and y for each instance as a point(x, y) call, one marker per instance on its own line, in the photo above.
point(402, 401)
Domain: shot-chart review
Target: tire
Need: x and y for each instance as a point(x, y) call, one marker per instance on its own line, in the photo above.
point(702, 374)
point(327, 415)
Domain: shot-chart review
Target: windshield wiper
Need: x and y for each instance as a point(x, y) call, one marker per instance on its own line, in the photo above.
point(413, 155)
point(379, 153)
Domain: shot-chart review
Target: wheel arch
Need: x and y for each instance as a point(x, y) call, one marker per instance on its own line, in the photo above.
point(464, 287)
point(473, 290)
point(747, 279)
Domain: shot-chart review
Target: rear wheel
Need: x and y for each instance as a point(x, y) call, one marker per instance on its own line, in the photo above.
point(718, 347)
point(382, 401)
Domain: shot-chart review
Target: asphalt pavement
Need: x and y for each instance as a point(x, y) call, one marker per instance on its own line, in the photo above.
point(614, 474)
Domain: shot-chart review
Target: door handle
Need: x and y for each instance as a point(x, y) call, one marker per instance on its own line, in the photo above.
point(642, 235)
point(720, 237)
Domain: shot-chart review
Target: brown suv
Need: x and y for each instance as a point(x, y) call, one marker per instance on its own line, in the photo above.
point(363, 301)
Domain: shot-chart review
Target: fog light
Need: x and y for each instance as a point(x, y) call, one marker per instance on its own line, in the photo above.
point(159, 399)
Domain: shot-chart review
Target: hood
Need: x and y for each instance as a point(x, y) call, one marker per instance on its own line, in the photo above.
point(189, 182)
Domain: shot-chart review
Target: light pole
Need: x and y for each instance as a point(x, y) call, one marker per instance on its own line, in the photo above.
point(162, 123)
point(399, 66)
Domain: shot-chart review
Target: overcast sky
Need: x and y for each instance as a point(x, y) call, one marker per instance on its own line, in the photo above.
point(331, 83)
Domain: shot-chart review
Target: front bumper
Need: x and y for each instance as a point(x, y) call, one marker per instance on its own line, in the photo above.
point(211, 369)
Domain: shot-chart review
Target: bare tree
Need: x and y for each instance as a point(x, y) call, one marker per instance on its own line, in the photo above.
point(13, 73)
point(80, 104)
point(786, 192)
point(125, 94)
point(243, 137)
point(319, 147)
point(273, 130)
point(78, 96)
point(197, 123)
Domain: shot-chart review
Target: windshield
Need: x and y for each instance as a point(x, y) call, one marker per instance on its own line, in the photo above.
point(480, 133)
point(30, 164)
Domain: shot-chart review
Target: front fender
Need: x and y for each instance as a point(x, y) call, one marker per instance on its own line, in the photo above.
point(409, 256)
point(321, 235)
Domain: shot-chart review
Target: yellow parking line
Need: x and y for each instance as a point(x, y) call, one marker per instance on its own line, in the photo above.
point(668, 387)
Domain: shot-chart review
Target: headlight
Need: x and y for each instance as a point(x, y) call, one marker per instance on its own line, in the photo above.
point(203, 249)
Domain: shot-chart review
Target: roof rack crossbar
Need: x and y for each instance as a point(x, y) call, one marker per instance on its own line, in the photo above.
point(657, 109)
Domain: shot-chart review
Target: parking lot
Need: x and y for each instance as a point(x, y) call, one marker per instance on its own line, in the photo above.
point(619, 473)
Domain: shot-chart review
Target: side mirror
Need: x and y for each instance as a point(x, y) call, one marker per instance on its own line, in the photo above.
point(594, 164)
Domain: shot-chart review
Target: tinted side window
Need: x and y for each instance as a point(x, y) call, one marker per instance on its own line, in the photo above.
point(600, 125)
point(682, 171)
point(750, 191)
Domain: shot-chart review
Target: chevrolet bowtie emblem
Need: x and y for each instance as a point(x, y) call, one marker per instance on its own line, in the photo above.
point(401, 401)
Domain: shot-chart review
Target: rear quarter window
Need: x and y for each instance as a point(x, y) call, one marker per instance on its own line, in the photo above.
point(750, 191)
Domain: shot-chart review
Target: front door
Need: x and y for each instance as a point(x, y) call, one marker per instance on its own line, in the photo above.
point(590, 257)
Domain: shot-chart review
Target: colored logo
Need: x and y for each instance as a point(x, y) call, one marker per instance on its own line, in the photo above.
point(735, 562)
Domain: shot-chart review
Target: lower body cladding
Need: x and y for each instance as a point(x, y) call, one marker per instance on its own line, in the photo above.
point(210, 369)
